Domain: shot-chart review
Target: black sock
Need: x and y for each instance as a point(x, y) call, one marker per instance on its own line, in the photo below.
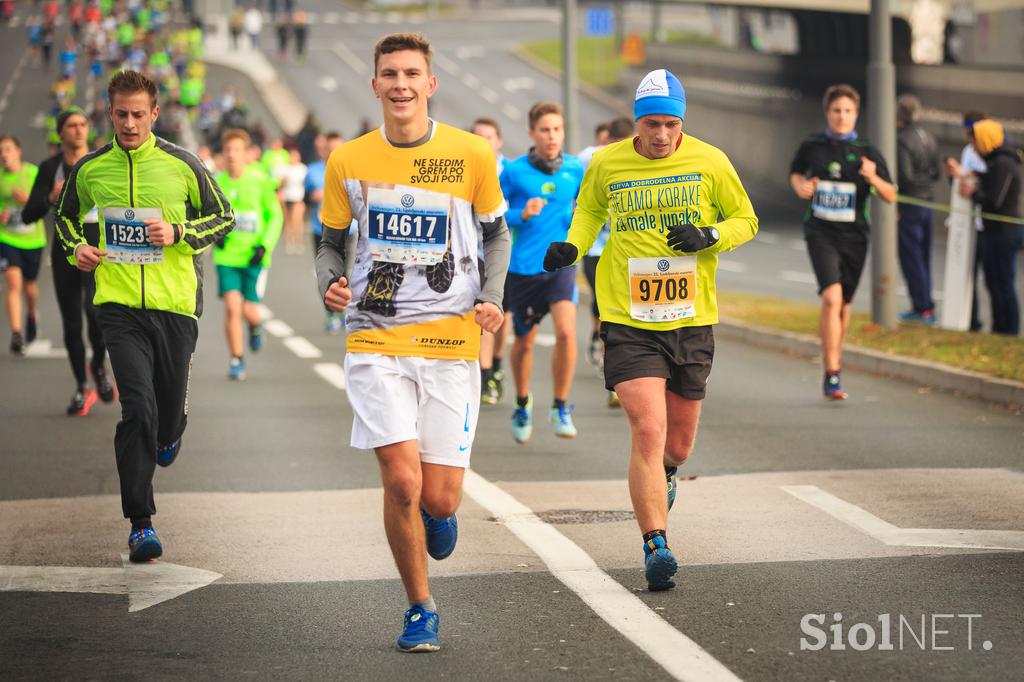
point(595, 336)
point(558, 404)
point(141, 522)
point(486, 375)
point(496, 365)
point(521, 402)
point(671, 470)
point(655, 533)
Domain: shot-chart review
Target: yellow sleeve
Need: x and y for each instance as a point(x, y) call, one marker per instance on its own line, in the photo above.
point(739, 224)
point(336, 212)
point(591, 208)
point(488, 201)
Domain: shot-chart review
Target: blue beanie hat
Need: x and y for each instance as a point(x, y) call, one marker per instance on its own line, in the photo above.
point(660, 92)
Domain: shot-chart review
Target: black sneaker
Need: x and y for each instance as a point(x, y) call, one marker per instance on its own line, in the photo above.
point(17, 343)
point(31, 329)
point(104, 386)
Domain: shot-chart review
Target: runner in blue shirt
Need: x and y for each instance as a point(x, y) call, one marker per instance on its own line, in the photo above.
point(540, 188)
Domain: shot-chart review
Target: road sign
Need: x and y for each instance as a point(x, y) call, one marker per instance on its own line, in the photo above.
point(599, 21)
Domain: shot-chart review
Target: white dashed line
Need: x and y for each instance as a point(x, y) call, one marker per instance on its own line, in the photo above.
point(511, 112)
point(731, 266)
point(767, 237)
point(470, 81)
point(278, 328)
point(797, 244)
point(543, 339)
point(5, 98)
point(447, 64)
point(489, 95)
point(303, 348)
point(332, 373)
point(349, 57)
point(796, 276)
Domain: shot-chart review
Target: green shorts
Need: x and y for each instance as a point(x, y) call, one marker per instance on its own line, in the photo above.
point(251, 282)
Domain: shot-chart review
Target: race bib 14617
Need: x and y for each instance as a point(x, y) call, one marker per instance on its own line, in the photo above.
point(408, 226)
point(126, 237)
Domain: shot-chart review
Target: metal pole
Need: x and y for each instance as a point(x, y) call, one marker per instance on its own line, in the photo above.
point(657, 31)
point(882, 122)
point(570, 77)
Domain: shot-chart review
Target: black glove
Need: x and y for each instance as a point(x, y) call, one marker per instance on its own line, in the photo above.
point(220, 242)
point(257, 256)
point(689, 238)
point(560, 255)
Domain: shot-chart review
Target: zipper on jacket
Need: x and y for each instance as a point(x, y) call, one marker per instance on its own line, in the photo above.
point(131, 204)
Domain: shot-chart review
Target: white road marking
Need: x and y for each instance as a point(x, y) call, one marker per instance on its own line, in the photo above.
point(332, 373)
point(278, 328)
point(447, 64)
point(352, 18)
point(545, 339)
point(145, 584)
point(679, 655)
point(489, 95)
point(393, 17)
point(797, 244)
point(469, 51)
point(470, 81)
point(351, 59)
point(731, 266)
point(767, 237)
point(797, 276)
point(329, 18)
point(15, 75)
point(372, 18)
point(511, 112)
point(890, 534)
point(329, 84)
point(42, 349)
point(303, 348)
point(517, 84)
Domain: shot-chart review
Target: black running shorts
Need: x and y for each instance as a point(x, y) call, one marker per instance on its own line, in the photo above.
point(682, 356)
point(837, 259)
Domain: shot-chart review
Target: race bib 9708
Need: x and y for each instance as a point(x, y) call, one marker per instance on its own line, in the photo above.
point(662, 289)
point(126, 237)
point(835, 201)
point(408, 226)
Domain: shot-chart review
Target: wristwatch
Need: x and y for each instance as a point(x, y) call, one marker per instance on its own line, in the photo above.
point(713, 235)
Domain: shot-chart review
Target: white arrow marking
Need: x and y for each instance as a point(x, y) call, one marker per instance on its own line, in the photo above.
point(145, 584)
point(43, 349)
point(883, 531)
point(328, 84)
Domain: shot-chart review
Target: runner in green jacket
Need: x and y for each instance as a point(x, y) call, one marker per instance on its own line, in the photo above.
point(243, 257)
point(21, 244)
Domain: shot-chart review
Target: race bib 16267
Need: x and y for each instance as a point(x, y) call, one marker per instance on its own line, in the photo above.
point(835, 201)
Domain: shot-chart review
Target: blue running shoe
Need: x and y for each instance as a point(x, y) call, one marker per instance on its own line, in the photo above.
point(670, 476)
point(420, 633)
point(143, 545)
point(659, 564)
point(522, 422)
point(561, 419)
point(833, 388)
point(236, 369)
point(165, 455)
point(255, 337)
point(442, 534)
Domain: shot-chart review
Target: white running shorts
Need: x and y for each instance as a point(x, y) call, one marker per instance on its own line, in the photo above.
point(395, 399)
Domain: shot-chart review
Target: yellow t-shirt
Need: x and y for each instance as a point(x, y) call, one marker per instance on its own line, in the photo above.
point(641, 281)
point(415, 278)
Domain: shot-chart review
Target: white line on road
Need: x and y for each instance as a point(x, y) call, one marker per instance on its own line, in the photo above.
point(328, 83)
point(447, 64)
point(42, 349)
point(5, 98)
point(767, 237)
point(883, 531)
point(797, 244)
point(512, 113)
point(544, 339)
point(469, 51)
point(679, 655)
point(797, 276)
point(731, 266)
point(470, 81)
point(303, 348)
point(332, 373)
point(329, 18)
point(489, 95)
point(278, 328)
point(351, 59)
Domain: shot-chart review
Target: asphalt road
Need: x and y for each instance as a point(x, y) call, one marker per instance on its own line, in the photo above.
point(794, 507)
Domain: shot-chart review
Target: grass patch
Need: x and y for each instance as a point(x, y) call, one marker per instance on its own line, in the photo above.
point(997, 356)
point(599, 63)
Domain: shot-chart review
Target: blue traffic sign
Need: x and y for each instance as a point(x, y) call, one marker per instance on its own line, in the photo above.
point(599, 21)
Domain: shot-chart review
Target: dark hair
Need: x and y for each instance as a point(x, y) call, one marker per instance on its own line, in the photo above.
point(130, 82)
point(235, 134)
point(541, 109)
point(333, 135)
point(972, 117)
point(621, 128)
point(397, 42)
point(834, 92)
point(908, 108)
point(601, 128)
point(12, 138)
point(484, 121)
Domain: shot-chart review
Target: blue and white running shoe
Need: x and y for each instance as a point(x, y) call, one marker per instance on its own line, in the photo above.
point(659, 564)
point(420, 633)
point(442, 534)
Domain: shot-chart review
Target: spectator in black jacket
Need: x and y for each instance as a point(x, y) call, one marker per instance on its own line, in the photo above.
point(917, 169)
point(998, 194)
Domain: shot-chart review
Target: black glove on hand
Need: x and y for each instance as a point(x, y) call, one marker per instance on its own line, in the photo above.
point(257, 256)
point(219, 243)
point(560, 255)
point(689, 238)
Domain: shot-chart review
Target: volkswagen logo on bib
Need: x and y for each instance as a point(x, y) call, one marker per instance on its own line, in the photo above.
point(408, 200)
point(663, 265)
point(129, 214)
